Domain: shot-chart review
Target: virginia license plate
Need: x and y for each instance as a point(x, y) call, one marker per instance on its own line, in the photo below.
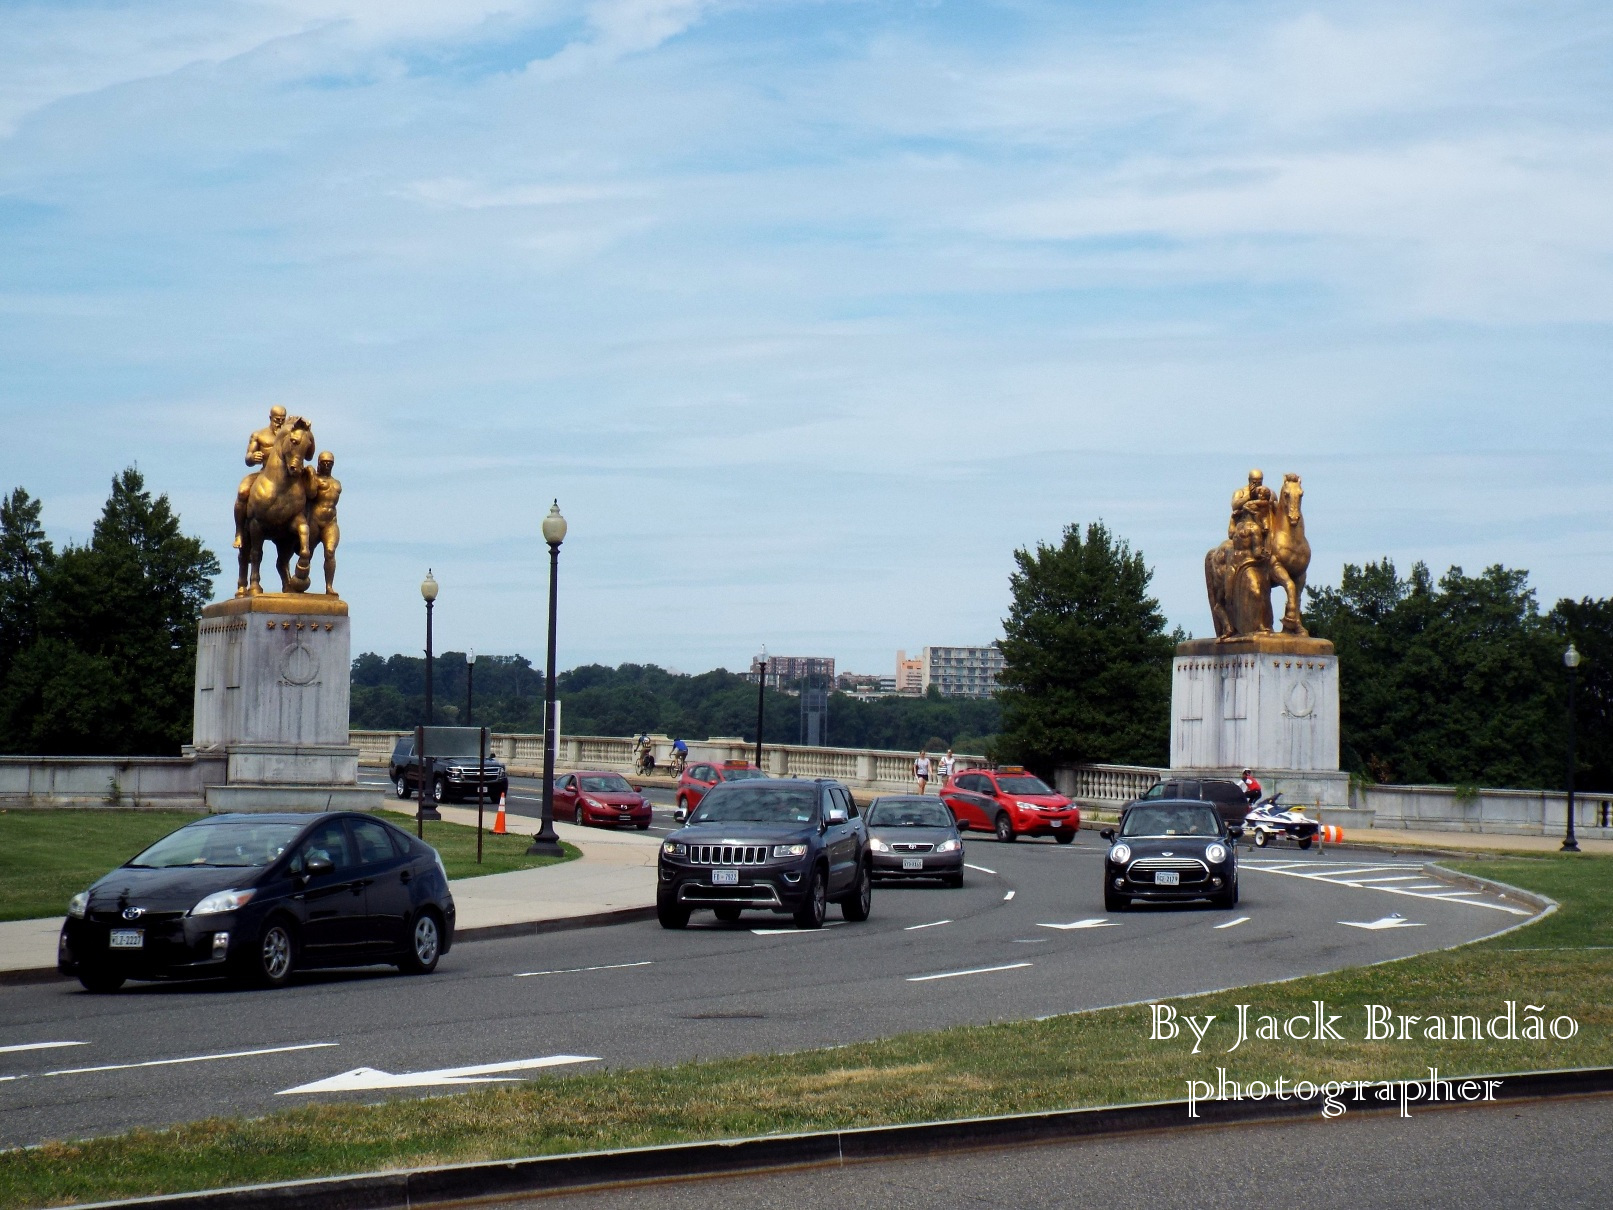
point(1168, 878)
point(128, 939)
point(725, 878)
point(912, 863)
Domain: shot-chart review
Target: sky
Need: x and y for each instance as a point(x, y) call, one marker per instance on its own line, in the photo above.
point(811, 314)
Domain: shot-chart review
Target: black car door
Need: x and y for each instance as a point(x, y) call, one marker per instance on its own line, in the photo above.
point(331, 905)
point(839, 841)
point(387, 898)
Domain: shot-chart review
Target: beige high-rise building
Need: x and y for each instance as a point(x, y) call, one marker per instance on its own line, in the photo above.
point(909, 675)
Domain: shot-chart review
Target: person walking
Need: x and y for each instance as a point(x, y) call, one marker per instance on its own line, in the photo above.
point(949, 766)
point(921, 770)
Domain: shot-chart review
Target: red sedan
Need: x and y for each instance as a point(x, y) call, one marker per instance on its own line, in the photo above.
point(700, 775)
point(1011, 803)
point(595, 796)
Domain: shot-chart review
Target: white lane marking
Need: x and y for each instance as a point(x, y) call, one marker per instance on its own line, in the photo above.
point(827, 924)
point(364, 1078)
point(979, 970)
point(1339, 878)
point(1388, 922)
point(981, 868)
point(1373, 881)
point(11, 1050)
point(1096, 922)
point(931, 925)
point(1008, 896)
point(1234, 923)
point(229, 1054)
point(577, 970)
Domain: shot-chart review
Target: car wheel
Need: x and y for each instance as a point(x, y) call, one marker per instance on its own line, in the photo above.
point(270, 962)
point(816, 904)
point(672, 915)
point(1115, 903)
point(644, 827)
point(1261, 839)
point(576, 816)
point(99, 981)
point(1226, 899)
point(1064, 837)
point(425, 945)
point(439, 788)
point(401, 785)
point(727, 914)
point(954, 880)
point(856, 906)
point(1004, 828)
point(1306, 843)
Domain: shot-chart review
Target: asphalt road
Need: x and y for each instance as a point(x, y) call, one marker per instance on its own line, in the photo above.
point(1544, 1153)
point(1026, 937)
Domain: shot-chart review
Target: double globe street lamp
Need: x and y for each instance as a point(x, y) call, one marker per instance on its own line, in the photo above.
point(546, 843)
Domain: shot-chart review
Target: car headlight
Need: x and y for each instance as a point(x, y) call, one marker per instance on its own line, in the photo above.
point(673, 849)
point(949, 846)
point(222, 901)
point(878, 845)
point(78, 905)
point(1215, 854)
point(789, 850)
point(1025, 806)
point(1120, 854)
point(593, 802)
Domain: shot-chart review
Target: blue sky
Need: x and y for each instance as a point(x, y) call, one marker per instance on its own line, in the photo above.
point(810, 313)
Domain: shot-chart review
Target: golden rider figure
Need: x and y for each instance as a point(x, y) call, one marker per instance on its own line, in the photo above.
point(257, 449)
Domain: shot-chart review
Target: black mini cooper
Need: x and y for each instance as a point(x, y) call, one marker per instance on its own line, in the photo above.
point(1170, 850)
point(256, 897)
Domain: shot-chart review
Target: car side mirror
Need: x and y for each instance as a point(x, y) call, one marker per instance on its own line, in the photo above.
point(316, 864)
point(836, 815)
point(1234, 831)
point(1107, 833)
point(681, 814)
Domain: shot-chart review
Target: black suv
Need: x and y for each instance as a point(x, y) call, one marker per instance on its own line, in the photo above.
point(780, 845)
point(1227, 797)
point(452, 776)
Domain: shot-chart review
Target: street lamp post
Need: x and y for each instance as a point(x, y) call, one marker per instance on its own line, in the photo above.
point(1571, 662)
point(546, 843)
point(470, 682)
point(428, 794)
point(761, 705)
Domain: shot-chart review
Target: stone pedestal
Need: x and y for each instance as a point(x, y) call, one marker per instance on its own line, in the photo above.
point(1268, 703)
point(272, 687)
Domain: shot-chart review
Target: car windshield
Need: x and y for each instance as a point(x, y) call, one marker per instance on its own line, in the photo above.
point(758, 804)
point(908, 813)
point(1023, 785)
point(1184, 819)
point(741, 774)
point(607, 783)
point(230, 845)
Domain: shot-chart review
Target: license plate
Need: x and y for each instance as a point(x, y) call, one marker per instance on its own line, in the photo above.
point(625, 818)
point(1168, 878)
point(912, 863)
point(128, 939)
point(725, 878)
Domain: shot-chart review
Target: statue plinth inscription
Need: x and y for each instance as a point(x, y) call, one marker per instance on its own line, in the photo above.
point(273, 669)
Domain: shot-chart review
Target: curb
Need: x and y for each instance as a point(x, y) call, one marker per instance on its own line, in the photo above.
point(1501, 890)
point(500, 1179)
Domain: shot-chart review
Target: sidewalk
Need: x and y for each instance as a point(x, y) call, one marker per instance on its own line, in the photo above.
point(1468, 842)
point(613, 881)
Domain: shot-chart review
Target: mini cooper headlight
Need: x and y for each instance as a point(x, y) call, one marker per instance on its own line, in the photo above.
point(1215, 854)
point(878, 845)
point(949, 846)
point(673, 849)
point(78, 905)
point(222, 901)
point(1120, 854)
point(789, 850)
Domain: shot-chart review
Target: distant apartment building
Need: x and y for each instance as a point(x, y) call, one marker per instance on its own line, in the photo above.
point(961, 671)
point(909, 675)
point(788, 671)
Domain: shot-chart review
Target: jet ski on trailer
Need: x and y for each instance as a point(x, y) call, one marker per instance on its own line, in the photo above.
point(1270, 821)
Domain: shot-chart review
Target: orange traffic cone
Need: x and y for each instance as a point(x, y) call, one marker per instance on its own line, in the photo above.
point(499, 829)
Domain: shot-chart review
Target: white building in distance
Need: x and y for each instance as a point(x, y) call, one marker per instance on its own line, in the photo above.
point(961, 671)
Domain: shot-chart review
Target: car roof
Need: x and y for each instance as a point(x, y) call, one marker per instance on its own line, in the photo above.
point(594, 773)
point(1172, 802)
point(274, 817)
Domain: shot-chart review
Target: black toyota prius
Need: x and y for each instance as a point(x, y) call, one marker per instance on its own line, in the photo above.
point(256, 897)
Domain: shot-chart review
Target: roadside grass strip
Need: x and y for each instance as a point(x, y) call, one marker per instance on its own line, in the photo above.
point(47, 857)
point(456, 844)
point(1080, 1059)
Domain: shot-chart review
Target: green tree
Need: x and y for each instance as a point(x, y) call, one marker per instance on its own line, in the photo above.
point(1447, 683)
point(26, 557)
point(1589, 624)
point(1088, 676)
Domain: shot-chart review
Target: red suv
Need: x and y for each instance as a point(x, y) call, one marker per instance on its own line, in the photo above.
point(1012, 803)
point(700, 775)
point(599, 796)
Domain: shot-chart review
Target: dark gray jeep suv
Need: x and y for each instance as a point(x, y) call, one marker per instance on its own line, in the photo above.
point(778, 845)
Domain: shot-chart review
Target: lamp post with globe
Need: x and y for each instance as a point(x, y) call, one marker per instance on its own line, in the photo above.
point(428, 797)
point(1571, 662)
point(546, 843)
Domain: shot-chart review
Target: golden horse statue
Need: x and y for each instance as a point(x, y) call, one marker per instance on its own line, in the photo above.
point(275, 509)
point(1266, 546)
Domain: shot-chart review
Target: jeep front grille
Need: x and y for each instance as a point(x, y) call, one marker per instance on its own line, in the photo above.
point(728, 854)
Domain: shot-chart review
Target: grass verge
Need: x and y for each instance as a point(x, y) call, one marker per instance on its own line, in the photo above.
point(456, 844)
point(1093, 1058)
point(47, 857)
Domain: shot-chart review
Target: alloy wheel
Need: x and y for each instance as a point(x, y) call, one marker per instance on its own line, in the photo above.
point(426, 940)
point(276, 953)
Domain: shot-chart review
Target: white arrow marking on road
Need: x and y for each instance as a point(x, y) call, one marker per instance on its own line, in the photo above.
point(981, 868)
point(979, 970)
point(828, 924)
point(9, 1050)
point(1231, 923)
point(1388, 922)
point(362, 1079)
point(1008, 896)
point(229, 1054)
point(577, 970)
point(931, 925)
point(1097, 922)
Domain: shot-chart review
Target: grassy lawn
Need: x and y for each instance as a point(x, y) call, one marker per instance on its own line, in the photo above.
point(1084, 1059)
point(47, 857)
